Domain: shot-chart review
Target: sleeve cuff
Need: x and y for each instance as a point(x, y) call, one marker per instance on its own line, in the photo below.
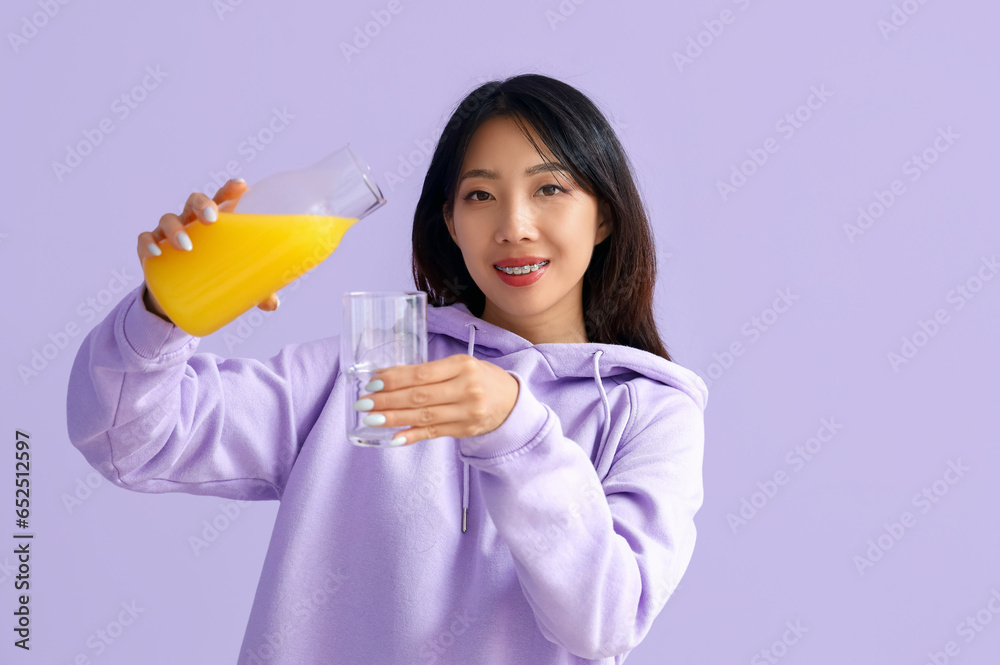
point(525, 424)
point(149, 335)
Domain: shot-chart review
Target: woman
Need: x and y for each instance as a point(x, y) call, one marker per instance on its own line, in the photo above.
point(569, 521)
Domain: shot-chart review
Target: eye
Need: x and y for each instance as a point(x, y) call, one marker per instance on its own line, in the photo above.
point(556, 187)
point(470, 195)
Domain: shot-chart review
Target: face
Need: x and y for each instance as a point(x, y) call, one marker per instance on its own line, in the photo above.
point(507, 206)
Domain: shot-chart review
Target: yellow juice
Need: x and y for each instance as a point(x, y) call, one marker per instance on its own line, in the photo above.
point(236, 263)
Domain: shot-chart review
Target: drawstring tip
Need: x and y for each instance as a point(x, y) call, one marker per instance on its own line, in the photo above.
point(465, 518)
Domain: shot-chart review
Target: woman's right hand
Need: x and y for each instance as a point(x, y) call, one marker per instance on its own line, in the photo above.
point(171, 227)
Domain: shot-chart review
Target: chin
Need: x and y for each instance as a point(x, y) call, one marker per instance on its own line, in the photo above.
point(520, 307)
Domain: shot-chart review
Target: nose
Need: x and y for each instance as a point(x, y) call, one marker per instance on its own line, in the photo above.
point(516, 221)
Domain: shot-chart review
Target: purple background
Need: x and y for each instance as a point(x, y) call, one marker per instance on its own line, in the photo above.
point(722, 262)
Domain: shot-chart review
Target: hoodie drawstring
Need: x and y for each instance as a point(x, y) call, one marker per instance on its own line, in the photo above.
point(600, 464)
point(599, 460)
point(465, 465)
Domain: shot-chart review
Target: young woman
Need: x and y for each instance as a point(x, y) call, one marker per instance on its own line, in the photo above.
point(542, 509)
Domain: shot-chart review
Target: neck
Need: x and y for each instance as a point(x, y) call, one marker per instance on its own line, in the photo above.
point(550, 327)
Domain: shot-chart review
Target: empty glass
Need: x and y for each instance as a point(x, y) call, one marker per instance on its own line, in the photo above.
point(380, 329)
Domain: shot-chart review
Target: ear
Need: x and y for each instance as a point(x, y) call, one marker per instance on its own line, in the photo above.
point(605, 224)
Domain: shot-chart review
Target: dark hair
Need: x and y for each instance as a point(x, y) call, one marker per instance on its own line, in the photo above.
point(618, 284)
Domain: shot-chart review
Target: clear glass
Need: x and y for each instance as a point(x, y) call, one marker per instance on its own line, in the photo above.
point(380, 329)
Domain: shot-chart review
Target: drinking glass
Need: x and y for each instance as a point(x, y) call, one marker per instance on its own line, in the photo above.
point(381, 329)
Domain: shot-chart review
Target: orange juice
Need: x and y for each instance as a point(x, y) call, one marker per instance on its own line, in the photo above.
point(236, 263)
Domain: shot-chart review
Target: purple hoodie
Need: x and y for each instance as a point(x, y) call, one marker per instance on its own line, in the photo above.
point(580, 505)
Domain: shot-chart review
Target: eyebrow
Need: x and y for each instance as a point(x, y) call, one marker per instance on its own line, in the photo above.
point(493, 175)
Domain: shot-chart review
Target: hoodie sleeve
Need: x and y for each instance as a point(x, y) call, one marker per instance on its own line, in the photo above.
point(596, 561)
point(152, 415)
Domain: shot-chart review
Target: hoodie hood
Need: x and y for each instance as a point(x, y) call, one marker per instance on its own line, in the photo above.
point(580, 360)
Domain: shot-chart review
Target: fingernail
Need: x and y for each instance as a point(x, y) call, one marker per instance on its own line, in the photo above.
point(375, 386)
point(277, 301)
point(374, 419)
point(238, 180)
point(154, 249)
point(398, 441)
point(184, 241)
point(364, 405)
point(209, 213)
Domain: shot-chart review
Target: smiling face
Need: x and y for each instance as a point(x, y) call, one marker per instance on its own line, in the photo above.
point(509, 205)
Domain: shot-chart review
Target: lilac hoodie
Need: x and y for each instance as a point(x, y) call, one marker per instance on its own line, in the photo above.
point(580, 505)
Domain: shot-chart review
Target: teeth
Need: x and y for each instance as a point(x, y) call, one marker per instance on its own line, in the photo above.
point(522, 269)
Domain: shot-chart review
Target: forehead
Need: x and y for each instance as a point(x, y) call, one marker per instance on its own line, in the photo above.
point(500, 139)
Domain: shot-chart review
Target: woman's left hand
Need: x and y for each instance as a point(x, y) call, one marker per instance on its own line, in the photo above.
point(456, 396)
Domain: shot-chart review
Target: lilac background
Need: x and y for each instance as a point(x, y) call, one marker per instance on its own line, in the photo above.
point(722, 262)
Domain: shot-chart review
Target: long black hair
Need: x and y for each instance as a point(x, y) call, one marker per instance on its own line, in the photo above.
point(619, 282)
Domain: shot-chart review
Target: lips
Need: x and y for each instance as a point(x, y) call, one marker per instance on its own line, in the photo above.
point(522, 269)
point(519, 261)
point(533, 274)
